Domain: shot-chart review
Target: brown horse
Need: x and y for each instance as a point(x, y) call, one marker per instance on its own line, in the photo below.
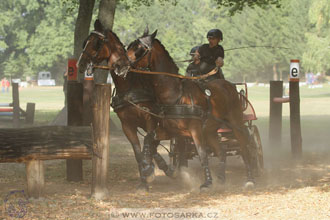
point(218, 100)
point(105, 45)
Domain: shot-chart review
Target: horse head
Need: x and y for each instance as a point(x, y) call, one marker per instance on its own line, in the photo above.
point(148, 53)
point(103, 45)
point(137, 50)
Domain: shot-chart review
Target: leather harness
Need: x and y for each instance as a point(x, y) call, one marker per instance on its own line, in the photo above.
point(176, 111)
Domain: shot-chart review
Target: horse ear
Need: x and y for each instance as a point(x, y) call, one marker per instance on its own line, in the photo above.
point(146, 31)
point(98, 26)
point(153, 35)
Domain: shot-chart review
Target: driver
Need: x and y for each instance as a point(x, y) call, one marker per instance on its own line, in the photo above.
point(212, 54)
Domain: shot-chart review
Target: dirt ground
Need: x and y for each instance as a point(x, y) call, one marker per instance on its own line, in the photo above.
point(288, 189)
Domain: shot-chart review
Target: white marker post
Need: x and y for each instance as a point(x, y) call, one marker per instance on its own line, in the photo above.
point(294, 71)
point(295, 128)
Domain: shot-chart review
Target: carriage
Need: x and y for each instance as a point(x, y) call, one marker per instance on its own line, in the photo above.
point(148, 56)
point(226, 138)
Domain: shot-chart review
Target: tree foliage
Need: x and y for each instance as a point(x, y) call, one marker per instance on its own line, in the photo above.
point(35, 36)
point(238, 6)
point(38, 35)
point(318, 38)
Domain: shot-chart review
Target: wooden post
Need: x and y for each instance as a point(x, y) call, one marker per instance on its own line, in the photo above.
point(74, 169)
point(35, 178)
point(275, 114)
point(101, 141)
point(15, 105)
point(295, 128)
point(30, 109)
point(87, 99)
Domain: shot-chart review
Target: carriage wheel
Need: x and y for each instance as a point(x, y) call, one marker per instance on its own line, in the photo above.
point(256, 150)
point(177, 157)
point(174, 158)
point(173, 155)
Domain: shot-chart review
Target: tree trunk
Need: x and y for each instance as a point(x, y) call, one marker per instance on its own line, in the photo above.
point(107, 11)
point(82, 26)
point(106, 15)
point(74, 169)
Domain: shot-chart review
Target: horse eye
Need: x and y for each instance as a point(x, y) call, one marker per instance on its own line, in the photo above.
point(139, 52)
point(97, 45)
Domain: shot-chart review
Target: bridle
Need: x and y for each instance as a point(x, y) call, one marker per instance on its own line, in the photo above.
point(147, 50)
point(146, 70)
point(103, 39)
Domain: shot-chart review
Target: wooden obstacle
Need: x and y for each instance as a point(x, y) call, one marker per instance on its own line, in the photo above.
point(13, 109)
point(275, 115)
point(34, 145)
point(6, 109)
point(44, 143)
point(74, 142)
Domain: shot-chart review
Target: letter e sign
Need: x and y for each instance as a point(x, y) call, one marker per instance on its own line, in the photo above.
point(294, 70)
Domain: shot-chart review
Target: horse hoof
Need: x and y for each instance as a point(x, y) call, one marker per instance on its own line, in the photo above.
point(205, 186)
point(221, 180)
point(150, 178)
point(249, 185)
point(148, 173)
point(143, 187)
point(171, 172)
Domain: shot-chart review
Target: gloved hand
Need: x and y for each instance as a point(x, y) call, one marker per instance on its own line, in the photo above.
point(196, 58)
point(219, 62)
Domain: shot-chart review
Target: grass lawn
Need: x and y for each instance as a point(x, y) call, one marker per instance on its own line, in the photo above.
point(313, 101)
point(315, 110)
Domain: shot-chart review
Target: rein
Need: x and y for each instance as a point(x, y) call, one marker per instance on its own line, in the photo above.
point(212, 72)
point(144, 109)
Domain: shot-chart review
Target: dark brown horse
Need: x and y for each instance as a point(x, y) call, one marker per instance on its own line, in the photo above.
point(218, 100)
point(104, 45)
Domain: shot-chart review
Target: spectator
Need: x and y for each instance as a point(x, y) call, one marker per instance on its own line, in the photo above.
point(3, 85)
point(7, 85)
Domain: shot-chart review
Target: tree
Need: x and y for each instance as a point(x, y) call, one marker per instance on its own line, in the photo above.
point(315, 58)
point(17, 20)
point(238, 6)
point(36, 36)
point(41, 37)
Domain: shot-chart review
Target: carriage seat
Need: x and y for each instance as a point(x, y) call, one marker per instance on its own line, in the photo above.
point(246, 117)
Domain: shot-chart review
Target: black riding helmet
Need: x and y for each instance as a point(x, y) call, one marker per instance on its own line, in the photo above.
point(215, 33)
point(193, 50)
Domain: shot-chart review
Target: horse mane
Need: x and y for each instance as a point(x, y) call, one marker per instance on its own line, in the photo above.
point(168, 55)
point(116, 37)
